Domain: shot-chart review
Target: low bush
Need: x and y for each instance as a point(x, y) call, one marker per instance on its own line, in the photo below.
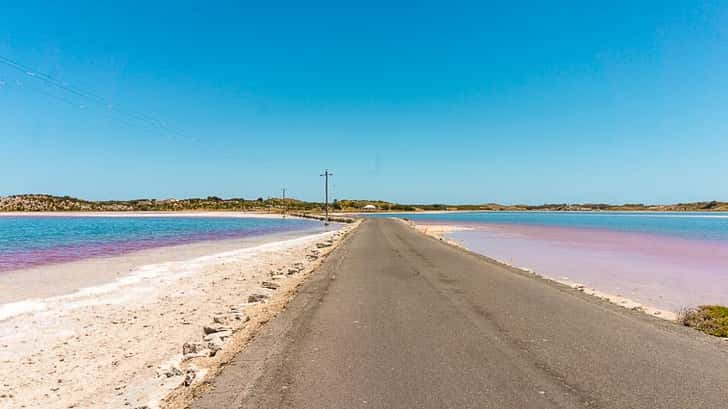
point(711, 319)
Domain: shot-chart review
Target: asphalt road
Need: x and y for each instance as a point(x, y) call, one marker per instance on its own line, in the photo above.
point(395, 319)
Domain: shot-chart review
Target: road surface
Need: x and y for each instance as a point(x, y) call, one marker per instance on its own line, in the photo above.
point(396, 319)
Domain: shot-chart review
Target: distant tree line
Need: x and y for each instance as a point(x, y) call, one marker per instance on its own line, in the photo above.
point(41, 202)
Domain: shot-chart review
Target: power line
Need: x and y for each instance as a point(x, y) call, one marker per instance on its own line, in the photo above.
point(88, 95)
point(61, 98)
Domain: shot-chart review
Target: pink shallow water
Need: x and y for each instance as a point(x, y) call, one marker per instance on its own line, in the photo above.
point(27, 258)
point(664, 272)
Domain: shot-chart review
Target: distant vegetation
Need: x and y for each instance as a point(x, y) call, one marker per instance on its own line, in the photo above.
point(49, 203)
point(389, 206)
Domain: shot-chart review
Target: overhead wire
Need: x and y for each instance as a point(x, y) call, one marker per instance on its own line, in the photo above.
point(146, 119)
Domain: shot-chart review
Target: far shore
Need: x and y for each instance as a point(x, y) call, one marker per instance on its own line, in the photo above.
point(278, 213)
point(45, 202)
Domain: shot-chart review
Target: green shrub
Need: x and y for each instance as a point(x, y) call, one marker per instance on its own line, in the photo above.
point(711, 319)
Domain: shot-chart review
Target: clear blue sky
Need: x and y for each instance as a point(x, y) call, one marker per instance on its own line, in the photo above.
point(412, 102)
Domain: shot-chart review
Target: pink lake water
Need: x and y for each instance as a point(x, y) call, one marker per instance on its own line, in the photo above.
point(662, 271)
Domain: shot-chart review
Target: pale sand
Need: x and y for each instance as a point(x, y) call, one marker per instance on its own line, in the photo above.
point(440, 232)
point(119, 344)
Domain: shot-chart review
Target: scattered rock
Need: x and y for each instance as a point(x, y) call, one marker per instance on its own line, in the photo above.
point(323, 245)
point(297, 268)
point(257, 297)
point(242, 317)
point(230, 320)
point(214, 345)
point(221, 319)
point(172, 372)
point(222, 335)
point(190, 377)
point(270, 285)
point(191, 348)
point(214, 328)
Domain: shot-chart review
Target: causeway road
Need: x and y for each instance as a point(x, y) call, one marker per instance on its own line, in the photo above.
point(397, 319)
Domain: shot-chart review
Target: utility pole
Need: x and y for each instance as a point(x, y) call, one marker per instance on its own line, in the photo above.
point(285, 205)
point(326, 175)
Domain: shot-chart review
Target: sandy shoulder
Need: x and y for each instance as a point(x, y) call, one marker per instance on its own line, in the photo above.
point(152, 336)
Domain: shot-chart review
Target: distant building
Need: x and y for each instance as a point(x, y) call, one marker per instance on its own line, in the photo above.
point(369, 208)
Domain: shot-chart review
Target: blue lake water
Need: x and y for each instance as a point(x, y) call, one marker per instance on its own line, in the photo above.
point(29, 240)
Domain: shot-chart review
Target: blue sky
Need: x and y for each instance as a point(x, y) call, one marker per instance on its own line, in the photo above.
point(412, 102)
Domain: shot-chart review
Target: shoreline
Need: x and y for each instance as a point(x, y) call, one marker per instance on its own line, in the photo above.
point(56, 279)
point(60, 253)
point(292, 213)
point(440, 232)
point(138, 338)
